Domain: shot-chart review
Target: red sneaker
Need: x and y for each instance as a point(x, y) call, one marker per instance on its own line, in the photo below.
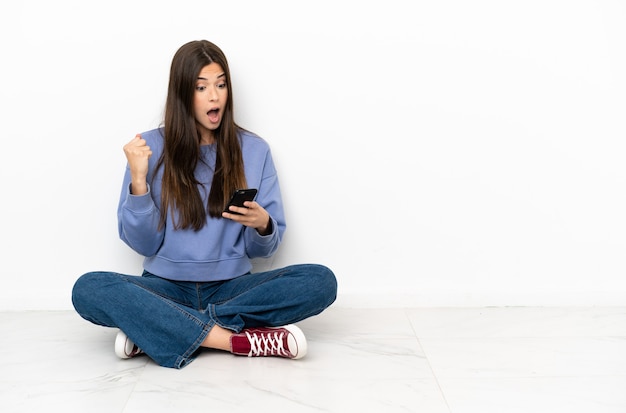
point(286, 341)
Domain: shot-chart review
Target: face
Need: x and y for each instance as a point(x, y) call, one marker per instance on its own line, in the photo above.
point(209, 101)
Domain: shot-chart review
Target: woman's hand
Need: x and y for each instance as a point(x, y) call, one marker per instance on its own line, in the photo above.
point(253, 215)
point(137, 153)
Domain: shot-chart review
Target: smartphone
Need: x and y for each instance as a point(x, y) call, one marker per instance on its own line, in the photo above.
point(239, 197)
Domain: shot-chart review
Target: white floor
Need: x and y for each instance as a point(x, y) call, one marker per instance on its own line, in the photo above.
point(360, 360)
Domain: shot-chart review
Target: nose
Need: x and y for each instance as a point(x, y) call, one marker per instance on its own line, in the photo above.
point(213, 95)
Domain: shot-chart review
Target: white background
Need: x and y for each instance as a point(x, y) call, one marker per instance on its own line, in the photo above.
point(431, 153)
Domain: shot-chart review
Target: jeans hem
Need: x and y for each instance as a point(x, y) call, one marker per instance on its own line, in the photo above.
point(190, 354)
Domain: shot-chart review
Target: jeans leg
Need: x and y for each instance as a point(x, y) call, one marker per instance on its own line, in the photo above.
point(273, 298)
point(168, 330)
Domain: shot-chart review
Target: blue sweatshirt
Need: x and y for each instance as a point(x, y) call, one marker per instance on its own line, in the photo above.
point(222, 249)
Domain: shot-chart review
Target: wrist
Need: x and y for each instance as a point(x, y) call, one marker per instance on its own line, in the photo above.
point(267, 229)
point(139, 187)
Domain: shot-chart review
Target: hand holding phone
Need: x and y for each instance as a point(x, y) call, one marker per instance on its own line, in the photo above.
point(239, 197)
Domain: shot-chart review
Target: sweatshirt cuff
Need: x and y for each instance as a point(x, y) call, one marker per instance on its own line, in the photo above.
point(139, 203)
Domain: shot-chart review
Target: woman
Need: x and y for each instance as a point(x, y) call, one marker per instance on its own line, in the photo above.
point(196, 290)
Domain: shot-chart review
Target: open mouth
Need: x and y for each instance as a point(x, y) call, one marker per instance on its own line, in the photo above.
point(214, 115)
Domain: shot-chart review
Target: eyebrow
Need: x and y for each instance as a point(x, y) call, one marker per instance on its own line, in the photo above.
point(219, 76)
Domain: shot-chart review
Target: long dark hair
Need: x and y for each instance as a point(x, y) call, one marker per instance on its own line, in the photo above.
point(181, 153)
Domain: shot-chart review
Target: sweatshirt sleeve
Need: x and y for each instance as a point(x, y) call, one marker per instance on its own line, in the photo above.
point(269, 197)
point(138, 220)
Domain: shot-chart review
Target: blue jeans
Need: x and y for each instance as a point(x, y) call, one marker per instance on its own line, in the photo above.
point(169, 320)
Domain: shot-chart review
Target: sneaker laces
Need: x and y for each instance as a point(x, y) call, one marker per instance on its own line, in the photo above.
point(267, 344)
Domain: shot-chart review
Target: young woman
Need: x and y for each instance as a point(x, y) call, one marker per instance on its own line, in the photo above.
point(196, 290)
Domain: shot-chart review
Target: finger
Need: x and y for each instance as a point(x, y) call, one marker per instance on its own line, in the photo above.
point(238, 210)
point(252, 205)
point(141, 147)
point(232, 216)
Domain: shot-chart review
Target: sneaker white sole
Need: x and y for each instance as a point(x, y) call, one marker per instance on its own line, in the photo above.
point(123, 346)
point(296, 341)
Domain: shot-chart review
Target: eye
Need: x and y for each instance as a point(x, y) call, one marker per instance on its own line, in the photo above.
point(200, 88)
point(222, 85)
